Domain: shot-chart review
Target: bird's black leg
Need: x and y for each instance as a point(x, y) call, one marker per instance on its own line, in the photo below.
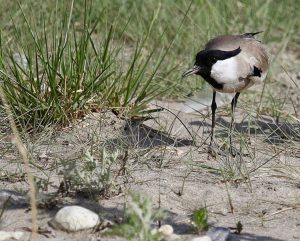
point(233, 105)
point(213, 120)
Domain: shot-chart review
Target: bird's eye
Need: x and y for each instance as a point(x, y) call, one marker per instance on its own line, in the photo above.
point(212, 60)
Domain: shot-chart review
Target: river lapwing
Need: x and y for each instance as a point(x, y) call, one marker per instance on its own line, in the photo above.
point(230, 64)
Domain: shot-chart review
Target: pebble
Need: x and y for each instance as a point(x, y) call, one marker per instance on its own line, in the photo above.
point(13, 198)
point(203, 238)
point(172, 237)
point(166, 229)
point(4, 235)
point(74, 218)
point(218, 233)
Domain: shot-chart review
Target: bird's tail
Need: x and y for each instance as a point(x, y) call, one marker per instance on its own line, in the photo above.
point(251, 35)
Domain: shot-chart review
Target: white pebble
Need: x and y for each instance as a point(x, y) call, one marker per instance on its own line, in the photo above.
point(218, 233)
point(74, 218)
point(172, 237)
point(10, 235)
point(166, 229)
point(203, 238)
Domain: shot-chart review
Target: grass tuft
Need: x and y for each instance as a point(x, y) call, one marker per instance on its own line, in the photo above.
point(200, 219)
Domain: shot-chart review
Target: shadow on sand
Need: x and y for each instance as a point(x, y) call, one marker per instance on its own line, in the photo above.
point(251, 237)
point(273, 133)
point(140, 135)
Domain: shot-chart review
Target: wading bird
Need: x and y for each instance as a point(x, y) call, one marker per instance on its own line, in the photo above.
point(230, 64)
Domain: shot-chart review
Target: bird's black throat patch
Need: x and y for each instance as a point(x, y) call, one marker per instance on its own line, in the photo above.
point(212, 81)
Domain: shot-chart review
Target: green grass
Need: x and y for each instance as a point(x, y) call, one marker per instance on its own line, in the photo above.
point(200, 219)
point(70, 58)
point(59, 76)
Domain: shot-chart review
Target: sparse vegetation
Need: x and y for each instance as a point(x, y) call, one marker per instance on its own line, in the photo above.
point(200, 219)
point(92, 174)
point(89, 83)
point(138, 220)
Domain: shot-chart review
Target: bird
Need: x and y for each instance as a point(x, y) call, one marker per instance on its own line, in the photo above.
point(230, 64)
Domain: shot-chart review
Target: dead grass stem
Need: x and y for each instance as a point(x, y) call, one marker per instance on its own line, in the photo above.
point(25, 156)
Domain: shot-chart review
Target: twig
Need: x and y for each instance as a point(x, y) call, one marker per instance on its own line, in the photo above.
point(24, 153)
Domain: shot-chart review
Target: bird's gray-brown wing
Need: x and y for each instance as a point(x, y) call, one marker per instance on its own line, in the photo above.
point(253, 59)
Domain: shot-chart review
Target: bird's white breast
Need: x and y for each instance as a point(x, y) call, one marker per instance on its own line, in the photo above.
point(225, 71)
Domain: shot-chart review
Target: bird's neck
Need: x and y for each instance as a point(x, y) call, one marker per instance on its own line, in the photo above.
point(206, 76)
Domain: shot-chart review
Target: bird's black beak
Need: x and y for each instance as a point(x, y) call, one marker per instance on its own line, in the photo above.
point(190, 71)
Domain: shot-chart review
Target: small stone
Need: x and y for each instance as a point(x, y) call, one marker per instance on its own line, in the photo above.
point(74, 218)
point(11, 235)
point(172, 237)
point(166, 229)
point(218, 233)
point(12, 198)
point(203, 238)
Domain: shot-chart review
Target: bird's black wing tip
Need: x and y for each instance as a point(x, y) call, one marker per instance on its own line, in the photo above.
point(237, 50)
point(251, 35)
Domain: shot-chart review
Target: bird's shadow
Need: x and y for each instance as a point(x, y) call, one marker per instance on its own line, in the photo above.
point(251, 237)
point(273, 133)
point(141, 135)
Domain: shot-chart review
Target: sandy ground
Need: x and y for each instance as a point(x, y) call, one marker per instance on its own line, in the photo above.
point(168, 161)
point(169, 166)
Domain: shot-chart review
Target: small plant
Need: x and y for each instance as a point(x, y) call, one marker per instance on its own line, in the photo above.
point(239, 227)
point(200, 219)
point(138, 218)
point(91, 173)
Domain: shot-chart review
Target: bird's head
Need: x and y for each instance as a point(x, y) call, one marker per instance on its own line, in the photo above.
point(205, 59)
